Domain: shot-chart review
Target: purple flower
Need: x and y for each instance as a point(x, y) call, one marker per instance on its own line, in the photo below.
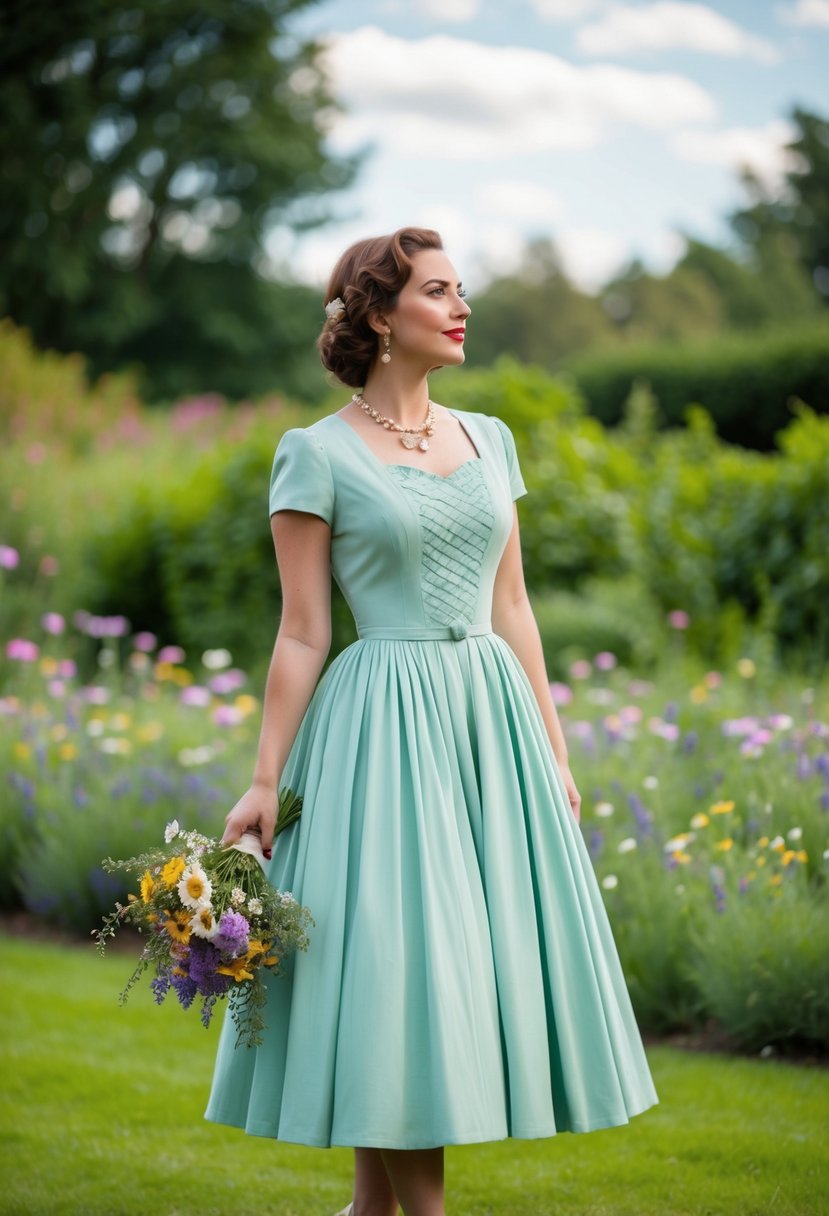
point(145, 641)
point(640, 813)
point(227, 715)
point(678, 619)
point(160, 987)
point(227, 681)
point(185, 989)
point(9, 557)
point(204, 959)
point(605, 660)
point(232, 937)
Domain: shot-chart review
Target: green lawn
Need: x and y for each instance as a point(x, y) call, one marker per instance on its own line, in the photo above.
point(102, 1116)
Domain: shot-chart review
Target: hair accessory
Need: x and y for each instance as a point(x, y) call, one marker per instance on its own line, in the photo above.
point(410, 437)
point(335, 309)
point(386, 355)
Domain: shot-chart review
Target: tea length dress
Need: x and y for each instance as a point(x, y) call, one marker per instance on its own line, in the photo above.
point(462, 982)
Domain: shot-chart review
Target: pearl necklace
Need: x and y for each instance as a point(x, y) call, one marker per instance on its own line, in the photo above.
point(408, 435)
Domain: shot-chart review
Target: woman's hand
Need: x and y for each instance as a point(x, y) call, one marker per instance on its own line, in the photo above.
point(255, 809)
point(572, 793)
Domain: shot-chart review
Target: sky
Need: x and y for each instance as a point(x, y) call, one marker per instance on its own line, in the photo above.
point(611, 127)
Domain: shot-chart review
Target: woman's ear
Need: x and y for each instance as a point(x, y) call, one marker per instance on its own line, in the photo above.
point(378, 322)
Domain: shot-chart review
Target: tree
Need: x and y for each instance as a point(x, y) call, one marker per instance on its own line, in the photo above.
point(793, 225)
point(151, 148)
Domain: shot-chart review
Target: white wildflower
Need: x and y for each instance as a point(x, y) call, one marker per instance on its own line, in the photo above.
point(171, 831)
point(610, 881)
point(215, 660)
point(237, 897)
point(255, 906)
point(192, 756)
point(625, 846)
point(604, 809)
point(651, 783)
point(203, 923)
point(795, 833)
point(195, 888)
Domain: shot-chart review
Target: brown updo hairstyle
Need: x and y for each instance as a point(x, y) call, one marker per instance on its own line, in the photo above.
point(368, 279)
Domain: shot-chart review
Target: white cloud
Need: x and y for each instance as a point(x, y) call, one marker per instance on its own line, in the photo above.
point(511, 198)
point(806, 12)
point(565, 11)
point(672, 25)
point(591, 255)
point(456, 11)
point(760, 148)
point(448, 98)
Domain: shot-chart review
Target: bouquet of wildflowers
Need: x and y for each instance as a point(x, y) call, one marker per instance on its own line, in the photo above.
point(212, 921)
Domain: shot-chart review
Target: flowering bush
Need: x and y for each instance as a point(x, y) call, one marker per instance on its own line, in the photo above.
point(213, 923)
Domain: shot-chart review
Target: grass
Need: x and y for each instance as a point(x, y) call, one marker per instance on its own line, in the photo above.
point(101, 1114)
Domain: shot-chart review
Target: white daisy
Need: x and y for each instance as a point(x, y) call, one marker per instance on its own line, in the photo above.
point(203, 923)
point(610, 881)
point(625, 846)
point(194, 887)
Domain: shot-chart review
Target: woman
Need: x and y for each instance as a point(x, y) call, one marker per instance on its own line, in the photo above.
point(462, 983)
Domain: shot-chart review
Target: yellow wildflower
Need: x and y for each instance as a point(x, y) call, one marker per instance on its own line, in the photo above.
point(788, 857)
point(270, 961)
point(67, 751)
point(699, 693)
point(172, 871)
point(238, 969)
point(763, 842)
point(746, 668)
point(256, 947)
point(700, 820)
point(147, 887)
point(59, 732)
point(150, 732)
point(721, 808)
point(682, 857)
point(178, 926)
point(724, 844)
point(246, 703)
point(761, 861)
point(775, 880)
point(120, 721)
point(802, 855)
point(21, 751)
point(48, 666)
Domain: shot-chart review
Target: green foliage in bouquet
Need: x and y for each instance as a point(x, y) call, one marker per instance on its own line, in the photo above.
point(213, 924)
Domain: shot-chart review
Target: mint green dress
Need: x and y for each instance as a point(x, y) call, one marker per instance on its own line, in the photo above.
point(462, 983)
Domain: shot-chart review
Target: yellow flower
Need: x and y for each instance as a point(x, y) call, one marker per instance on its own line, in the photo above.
point(682, 858)
point(67, 751)
point(172, 871)
point(246, 703)
point(763, 842)
point(150, 732)
point(194, 887)
point(721, 808)
point(238, 969)
point(270, 961)
point(48, 665)
point(761, 861)
point(776, 879)
point(700, 820)
point(699, 693)
point(802, 855)
point(147, 887)
point(746, 668)
point(789, 856)
point(120, 721)
point(724, 844)
point(257, 947)
point(59, 732)
point(21, 751)
point(178, 927)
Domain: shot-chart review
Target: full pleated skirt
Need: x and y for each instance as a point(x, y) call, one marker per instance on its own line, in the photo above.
point(462, 983)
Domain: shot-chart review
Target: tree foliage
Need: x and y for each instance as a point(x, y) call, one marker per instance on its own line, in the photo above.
point(152, 147)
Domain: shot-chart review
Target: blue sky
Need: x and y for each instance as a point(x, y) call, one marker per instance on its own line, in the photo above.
point(609, 126)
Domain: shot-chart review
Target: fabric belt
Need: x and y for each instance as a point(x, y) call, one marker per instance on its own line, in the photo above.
point(456, 631)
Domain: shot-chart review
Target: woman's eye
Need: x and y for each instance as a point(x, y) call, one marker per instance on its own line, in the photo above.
point(462, 292)
point(436, 291)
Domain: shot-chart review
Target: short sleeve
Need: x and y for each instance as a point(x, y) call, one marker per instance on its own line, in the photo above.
point(301, 476)
point(516, 481)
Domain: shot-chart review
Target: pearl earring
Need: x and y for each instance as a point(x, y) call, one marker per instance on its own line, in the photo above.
point(386, 355)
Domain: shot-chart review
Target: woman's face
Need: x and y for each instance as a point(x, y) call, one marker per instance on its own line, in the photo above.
point(427, 324)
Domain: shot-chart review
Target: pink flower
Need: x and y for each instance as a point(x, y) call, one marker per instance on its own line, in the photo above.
point(678, 619)
point(195, 694)
point(145, 641)
point(9, 557)
point(227, 715)
point(53, 623)
point(67, 669)
point(562, 693)
point(57, 688)
point(581, 669)
point(171, 654)
point(49, 566)
point(22, 650)
point(605, 660)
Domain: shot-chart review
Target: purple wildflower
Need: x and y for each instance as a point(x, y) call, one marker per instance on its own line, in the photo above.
point(160, 986)
point(185, 989)
point(204, 959)
point(643, 817)
point(233, 935)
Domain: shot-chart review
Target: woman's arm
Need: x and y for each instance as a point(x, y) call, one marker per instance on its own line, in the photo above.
point(514, 621)
point(303, 552)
